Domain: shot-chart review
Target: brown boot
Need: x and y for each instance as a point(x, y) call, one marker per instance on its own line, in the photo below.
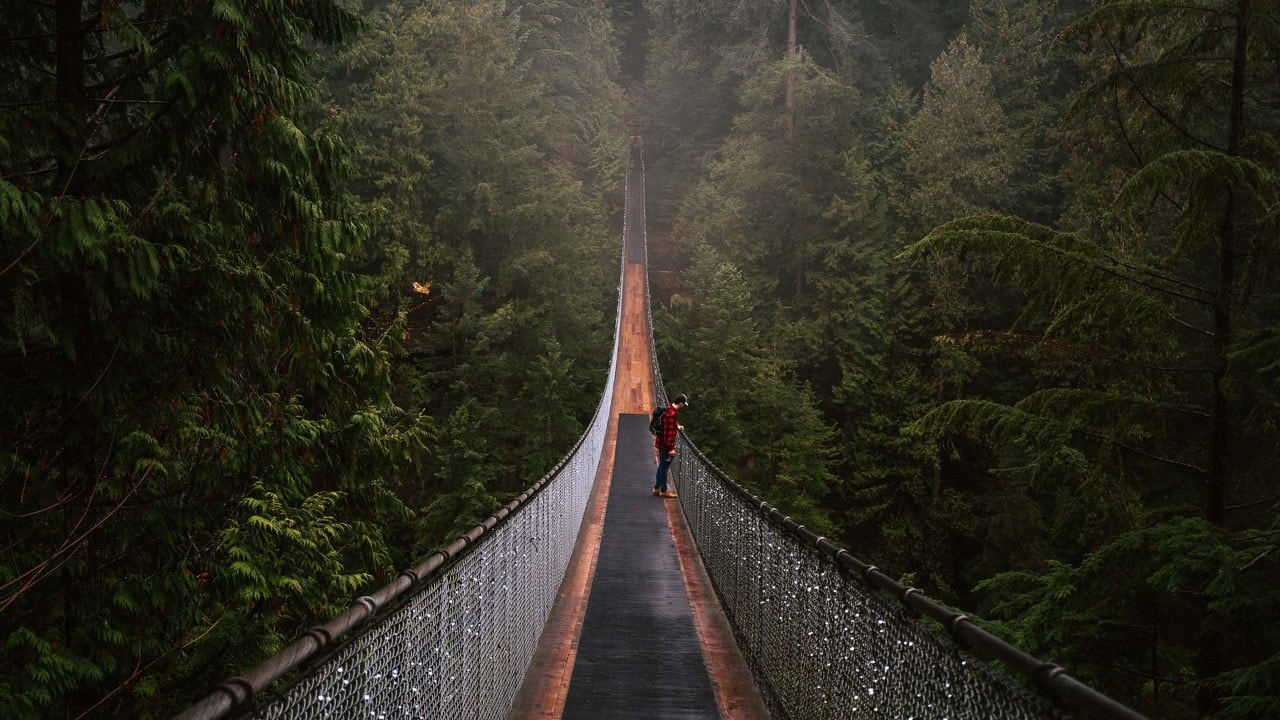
point(666, 494)
point(656, 491)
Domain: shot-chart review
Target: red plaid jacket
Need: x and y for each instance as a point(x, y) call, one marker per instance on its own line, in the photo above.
point(665, 441)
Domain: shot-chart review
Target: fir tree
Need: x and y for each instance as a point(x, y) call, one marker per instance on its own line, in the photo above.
point(1148, 410)
point(194, 432)
point(489, 146)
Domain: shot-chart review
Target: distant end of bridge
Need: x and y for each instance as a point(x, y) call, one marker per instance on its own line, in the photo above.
point(588, 597)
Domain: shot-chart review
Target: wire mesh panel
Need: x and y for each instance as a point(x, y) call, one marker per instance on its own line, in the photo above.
point(821, 643)
point(452, 638)
point(457, 648)
point(822, 640)
point(821, 633)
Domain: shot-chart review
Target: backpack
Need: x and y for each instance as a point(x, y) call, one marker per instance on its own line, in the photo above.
point(655, 419)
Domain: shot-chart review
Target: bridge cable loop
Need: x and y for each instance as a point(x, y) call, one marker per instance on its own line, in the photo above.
point(238, 689)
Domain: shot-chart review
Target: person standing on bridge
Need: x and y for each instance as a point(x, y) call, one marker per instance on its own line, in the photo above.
point(665, 443)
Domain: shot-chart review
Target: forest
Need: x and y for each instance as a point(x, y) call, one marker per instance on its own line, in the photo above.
point(294, 291)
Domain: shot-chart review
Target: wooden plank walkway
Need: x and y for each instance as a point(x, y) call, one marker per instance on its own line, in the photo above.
point(636, 630)
point(639, 655)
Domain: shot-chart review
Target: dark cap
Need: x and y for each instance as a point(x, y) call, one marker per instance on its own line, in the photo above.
point(681, 399)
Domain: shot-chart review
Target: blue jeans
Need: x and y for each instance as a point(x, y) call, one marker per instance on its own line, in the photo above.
point(664, 462)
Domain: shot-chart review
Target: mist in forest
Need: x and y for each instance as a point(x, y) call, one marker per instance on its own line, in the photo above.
point(985, 290)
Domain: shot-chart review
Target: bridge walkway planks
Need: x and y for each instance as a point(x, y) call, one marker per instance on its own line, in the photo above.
point(639, 655)
point(553, 675)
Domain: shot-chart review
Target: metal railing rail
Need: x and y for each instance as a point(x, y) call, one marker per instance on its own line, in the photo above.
point(453, 636)
point(827, 635)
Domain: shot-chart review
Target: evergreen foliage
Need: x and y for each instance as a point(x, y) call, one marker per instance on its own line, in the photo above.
point(262, 344)
point(960, 153)
point(987, 289)
point(190, 404)
point(1058, 408)
point(487, 136)
point(769, 431)
point(1141, 441)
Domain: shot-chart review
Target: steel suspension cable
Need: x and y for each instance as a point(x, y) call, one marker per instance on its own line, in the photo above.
point(451, 637)
point(828, 636)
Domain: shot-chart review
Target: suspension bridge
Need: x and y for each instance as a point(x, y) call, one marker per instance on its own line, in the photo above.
point(588, 597)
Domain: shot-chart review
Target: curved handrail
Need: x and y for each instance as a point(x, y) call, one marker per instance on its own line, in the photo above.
point(1051, 681)
point(451, 637)
point(319, 644)
point(1048, 678)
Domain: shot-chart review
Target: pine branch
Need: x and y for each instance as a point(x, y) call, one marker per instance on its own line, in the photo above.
point(91, 26)
point(51, 166)
point(56, 504)
point(1124, 130)
point(155, 197)
point(98, 151)
point(1252, 562)
point(1158, 110)
point(1159, 276)
point(156, 60)
point(1122, 276)
point(40, 235)
point(110, 361)
point(1245, 506)
point(1136, 673)
point(1129, 448)
point(1060, 346)
point(139, 668)
point(32, 576)
point(1189, 326)
point(108, 59)
point(36, 68)
point(968, 226)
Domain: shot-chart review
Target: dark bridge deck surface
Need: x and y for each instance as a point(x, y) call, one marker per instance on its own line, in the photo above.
point(638, 656)
point(636, 630)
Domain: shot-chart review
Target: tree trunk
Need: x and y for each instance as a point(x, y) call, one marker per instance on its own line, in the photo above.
point(68, 55)
point(1208, 657)
point(791, 77)
point(69, 50)
point(1222, 310)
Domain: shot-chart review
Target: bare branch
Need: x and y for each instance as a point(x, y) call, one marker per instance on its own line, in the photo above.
point(1245, 506)
point(32, 576)
point(1160, 111)
point(1144, 453)
point(140, 668)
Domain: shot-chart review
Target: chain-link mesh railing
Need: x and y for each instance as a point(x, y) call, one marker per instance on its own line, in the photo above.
point(828, 636)
point(452, 637)
point(825, 635)
point(459, 646)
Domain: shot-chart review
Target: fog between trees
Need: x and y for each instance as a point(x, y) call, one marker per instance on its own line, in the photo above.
point(294, 291)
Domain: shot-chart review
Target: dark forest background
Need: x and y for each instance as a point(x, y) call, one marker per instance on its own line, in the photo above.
point(986, 289)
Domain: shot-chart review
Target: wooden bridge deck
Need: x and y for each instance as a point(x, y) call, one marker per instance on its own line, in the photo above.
point(636, 631)
point(638, 656)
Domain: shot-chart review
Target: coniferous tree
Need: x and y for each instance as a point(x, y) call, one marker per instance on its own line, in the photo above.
point(488, 138)
point(1031, 76)
point(1109, 464)
point(749, 416)
point(194, 430)
point(1141, 439)
point(960, 152)
point(804, 216)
